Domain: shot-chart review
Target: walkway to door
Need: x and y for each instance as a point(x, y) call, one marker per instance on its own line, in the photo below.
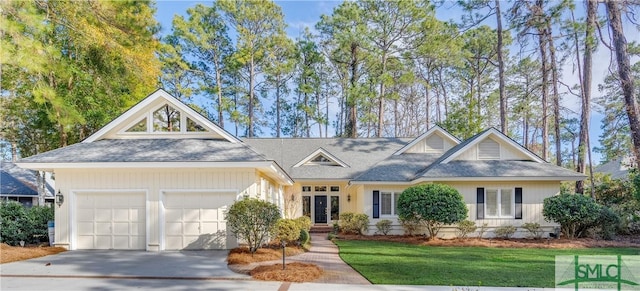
point(323, 253)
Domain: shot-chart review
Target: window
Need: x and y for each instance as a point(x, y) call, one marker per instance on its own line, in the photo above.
point(335, 188)
point(499, 203)
point(192, 126)
point(166, 119)
point(335, 208)
point(389, 203)
point(139, 127)
point(320, 189)
point(306, 206)
point(306, 188)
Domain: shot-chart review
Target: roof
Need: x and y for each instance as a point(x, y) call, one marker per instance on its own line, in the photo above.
point(398, 168)
point(499, 169)
point(617, 168)
point(148, 150)
point(358, 154)
point(16, 181)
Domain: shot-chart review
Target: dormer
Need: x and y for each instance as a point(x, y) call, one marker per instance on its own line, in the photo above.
point(160, 115)
point(491, 145)
point(321, 157)
point(435, 141)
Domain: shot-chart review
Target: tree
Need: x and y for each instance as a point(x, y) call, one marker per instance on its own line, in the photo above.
point(432, 204)
point(626, 78)
point(252, 220)
point(575, 213)
point(279, 68)
point(257, 24)
point(204, 40)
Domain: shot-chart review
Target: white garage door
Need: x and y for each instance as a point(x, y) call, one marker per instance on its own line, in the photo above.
point(196, 220)
point(111, 221)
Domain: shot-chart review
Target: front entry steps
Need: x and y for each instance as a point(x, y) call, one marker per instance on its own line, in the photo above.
point(321, 228)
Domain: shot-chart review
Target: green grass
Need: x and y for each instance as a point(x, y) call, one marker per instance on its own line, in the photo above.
point(405, 264)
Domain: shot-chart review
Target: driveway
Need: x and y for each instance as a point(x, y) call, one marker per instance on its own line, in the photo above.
point(126, 264)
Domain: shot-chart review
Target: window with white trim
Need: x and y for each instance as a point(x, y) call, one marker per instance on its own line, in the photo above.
point(499, 203)
point(389, 203)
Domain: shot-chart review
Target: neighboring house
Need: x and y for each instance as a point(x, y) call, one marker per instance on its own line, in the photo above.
point(160, 177)
point(18, 184)
point(617, 168)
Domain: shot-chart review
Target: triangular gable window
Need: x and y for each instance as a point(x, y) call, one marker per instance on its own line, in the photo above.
point(321, 158)
point(166, 119)
point(193, 126)
point(139, 127)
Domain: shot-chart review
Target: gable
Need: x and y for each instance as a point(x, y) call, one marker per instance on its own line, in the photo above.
point(321, 157)
point(160, 115)
point(435, 141)
point(492, 145)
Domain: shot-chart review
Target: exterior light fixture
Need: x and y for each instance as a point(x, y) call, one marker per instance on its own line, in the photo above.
point(348, 197)
point(59, 198)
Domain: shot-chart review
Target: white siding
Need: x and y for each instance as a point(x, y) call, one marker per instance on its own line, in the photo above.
point(506, 151)
point(69, 181)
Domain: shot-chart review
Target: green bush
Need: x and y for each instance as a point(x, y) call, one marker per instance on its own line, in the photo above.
point(482, 229)
point(384, 226)
point(534, 229)
point(466, 227)
point(433, 204)
point(304, 222)
point(505, 231)
point(252, 220)
point(574, 212)
point(608, 223)
point(286, 230)
point(304, 237)
point(24, 224)
point(357, 223)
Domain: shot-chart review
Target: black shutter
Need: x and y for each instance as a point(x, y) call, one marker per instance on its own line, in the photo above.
point(376, 204)
point(480, 203)
point(518, 199)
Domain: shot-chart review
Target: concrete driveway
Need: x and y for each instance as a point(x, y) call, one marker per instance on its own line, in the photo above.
point(126, 264)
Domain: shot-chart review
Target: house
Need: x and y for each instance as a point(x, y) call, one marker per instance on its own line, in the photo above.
point(617, 168)
point(21, 185)
point(160, 177)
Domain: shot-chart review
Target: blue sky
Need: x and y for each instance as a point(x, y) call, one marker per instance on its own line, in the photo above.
point(305, 13)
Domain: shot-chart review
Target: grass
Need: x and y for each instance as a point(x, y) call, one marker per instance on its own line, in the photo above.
point(406, 264)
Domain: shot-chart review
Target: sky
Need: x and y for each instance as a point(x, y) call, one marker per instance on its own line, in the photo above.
point(306, 13)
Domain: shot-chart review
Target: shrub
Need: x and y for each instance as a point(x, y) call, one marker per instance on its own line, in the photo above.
point(251, 220)
point(24, 224)
point(608, 223)
point(304, 237)
point(304, 222)
point(482, 230)
point(505, 231)
point(466, 227)
point(286, 230)
point(534, 229)
point(432, 204)
point(357, 223)
point(384, 226)
point(410, 226)
point(574, 212)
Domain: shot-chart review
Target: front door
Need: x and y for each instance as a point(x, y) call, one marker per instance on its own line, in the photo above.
point(320, 209)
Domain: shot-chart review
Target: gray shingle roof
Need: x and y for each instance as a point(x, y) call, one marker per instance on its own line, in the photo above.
point(400, 168)
point(497, 168)
point(17, 181)
point(360, 154)
point(617, 168)
point(149, 150)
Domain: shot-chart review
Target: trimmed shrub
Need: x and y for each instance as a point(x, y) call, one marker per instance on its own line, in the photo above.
point(286, 230)
point(410, 226)
point(304, 237)
point(608, 223)
point(304, 222)
point(505, 231)
point(433, 204)
point(466, 227)
point(24, 224)
point(482, 229)
point(575, 213)
point(384, 226)
point(534, 229)
point(252, 220)
point(357, 223)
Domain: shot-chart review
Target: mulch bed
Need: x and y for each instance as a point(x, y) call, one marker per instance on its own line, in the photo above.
point(294, 272)
point(13, 254)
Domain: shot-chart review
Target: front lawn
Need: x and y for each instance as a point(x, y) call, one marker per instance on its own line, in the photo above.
point(406, 264)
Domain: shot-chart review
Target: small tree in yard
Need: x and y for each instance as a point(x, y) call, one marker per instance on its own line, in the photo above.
point(433, 204)
point(252, 220)
point(575, 213)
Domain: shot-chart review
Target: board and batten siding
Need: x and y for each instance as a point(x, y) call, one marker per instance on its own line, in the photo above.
point(507, 152)
point(533, 194)
point(153, 181)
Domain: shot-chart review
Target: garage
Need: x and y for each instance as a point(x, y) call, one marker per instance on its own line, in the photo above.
point(107, 220)
point(195, 220)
